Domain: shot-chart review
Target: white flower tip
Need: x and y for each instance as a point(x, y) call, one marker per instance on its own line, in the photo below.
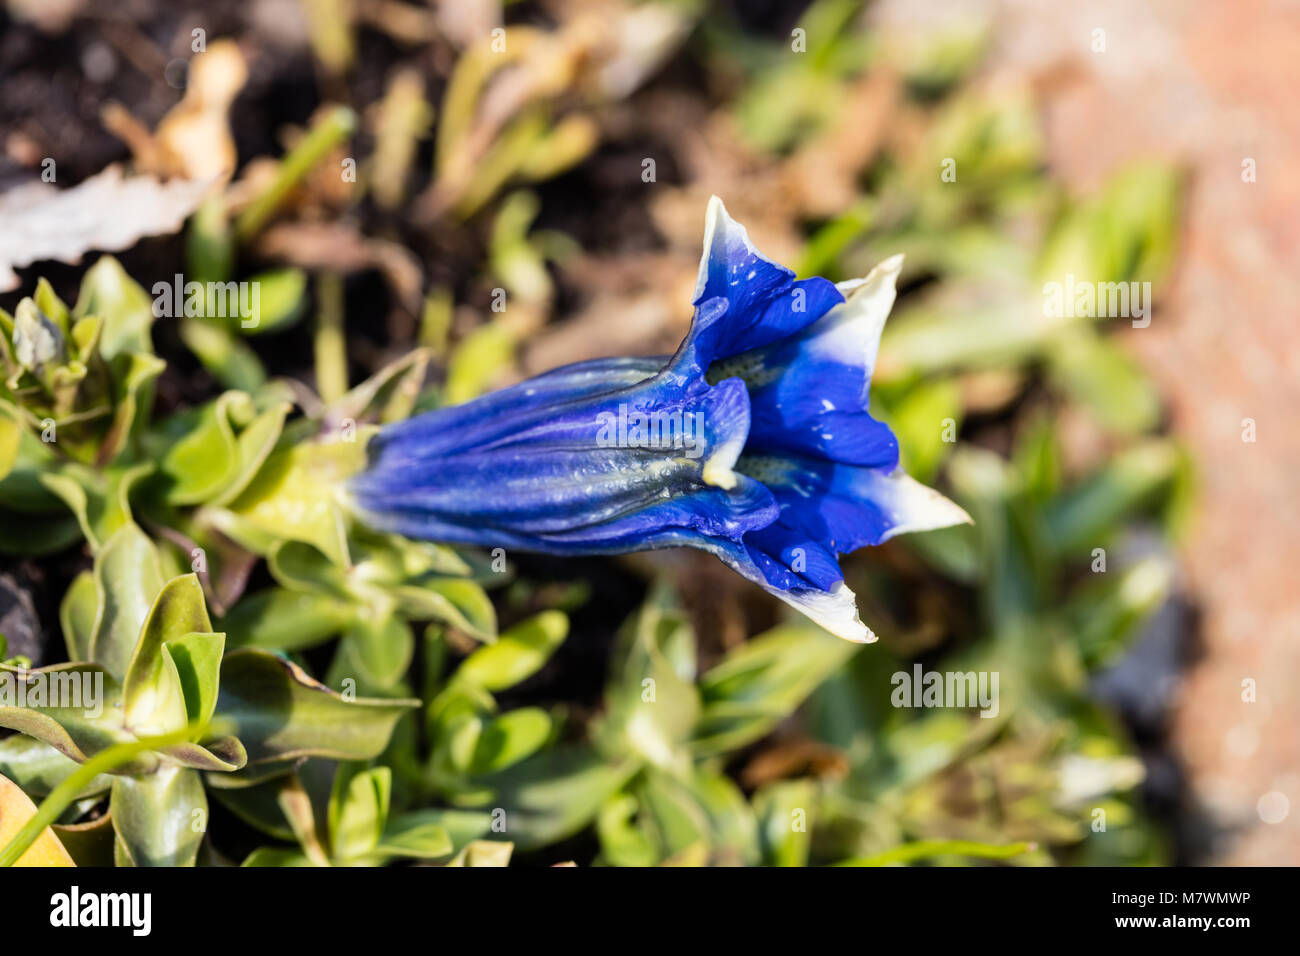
point(835, 610)
point(920, 508)
point(722, 237)
point(881, 281)
point(888, 269)
point(850, 332)
point(717, 223)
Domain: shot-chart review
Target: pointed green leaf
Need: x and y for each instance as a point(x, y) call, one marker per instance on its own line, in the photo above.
point(149, 692)
point(517, 654)
point(125, 307)
point(197, 657)
point(77, 614)
point(420, 841)
point(128, 576)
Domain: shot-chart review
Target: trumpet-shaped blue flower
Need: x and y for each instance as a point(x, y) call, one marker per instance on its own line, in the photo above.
point(752, 442)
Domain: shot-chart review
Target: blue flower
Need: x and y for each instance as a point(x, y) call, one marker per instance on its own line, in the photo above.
point(752, 442)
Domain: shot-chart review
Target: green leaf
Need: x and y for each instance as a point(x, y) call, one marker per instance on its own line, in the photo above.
point(461, 826)
point(11, 433)
point(964, 326)
point(387, 396)
point(159, 818)
point(918, 421)
point(280, 713)
point(556, 793)
point(510, 738)
point(306, 568)
point(296, 496)
point(1110, 610)
point(652, 702)
point(762, 682)
point(229, 359)
point(78, 732)
point(38, 768)
point(484, 853)
point(377, 647)
point(481, 356)
point(276, 856)
point(255, 444)
point(153, 691)
point(100, 500)
point(77, 614)
point(279, 619)
point(358, 810)
point(784, 812)
point(517, 654)
point(624, 841)
point(48, 301)
point(1105, 379)
point(407, 837)
point(89, 843)
point(204, 461)
point(197, 658)
point(471, 608)
point(1086, 516)
point(280, 298)
point(924, 849)
point(127, 576)
point(133, 377)
point(223, 755)
point(127, 310)
point(677, 819)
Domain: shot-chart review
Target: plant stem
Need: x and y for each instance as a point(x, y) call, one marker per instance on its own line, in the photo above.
point(336, 126)
point(331, 341)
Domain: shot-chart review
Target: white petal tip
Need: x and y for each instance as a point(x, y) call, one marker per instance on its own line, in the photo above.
point(919, 508)
point(835, 610)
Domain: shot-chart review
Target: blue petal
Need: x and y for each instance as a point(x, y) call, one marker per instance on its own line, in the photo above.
point(831, 603)
point(555, 479)
point(508, 411)
point(845, 507)
point(743, 300)
point(809, 393)
point(828, 509)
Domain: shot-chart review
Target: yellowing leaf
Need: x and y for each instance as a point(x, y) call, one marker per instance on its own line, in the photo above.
point(15, 810)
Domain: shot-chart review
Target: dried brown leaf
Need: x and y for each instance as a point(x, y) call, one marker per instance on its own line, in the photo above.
point(108, 211)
